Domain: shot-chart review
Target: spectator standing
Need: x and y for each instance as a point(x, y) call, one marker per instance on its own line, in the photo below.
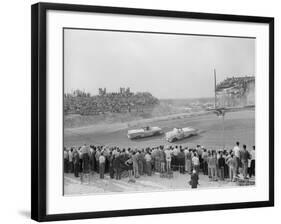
point(153, 160)
point(195, 162)
point(226, 156)
point(168, 158)
point(253, 162)
point(199, 151)
point(111, 169)
point(205, 162)
point(135, 164)
point(148, 163)
point(140, 162)
point(181, 161)
point(194, 179)
point(232, 164)
point(76, 161)
point(157, 160)
point(65, 160)
point(236, 151)
point(80, 160)
point(189, 161)
point(162, 160)
point(101, 165)
point(143, 161)
point(175, 162)
point(245, 156)
point(98, 153)
point(117, 166)
point(70, 160)
point(129, 164)
point(221, 166)
point(85, 166)
point(212, 166)
point(185, 163)
point(92, 159)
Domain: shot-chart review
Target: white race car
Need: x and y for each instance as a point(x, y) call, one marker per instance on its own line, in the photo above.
point(180, 133)
point(144, 132)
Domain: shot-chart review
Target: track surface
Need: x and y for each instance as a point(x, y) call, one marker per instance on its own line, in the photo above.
point(95, 185)
point(238, 126)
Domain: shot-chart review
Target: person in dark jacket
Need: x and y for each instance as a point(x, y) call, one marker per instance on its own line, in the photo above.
point(76, 162)
point(111, 169)
point(85, 166)
point(140, 162)
point(86, 163)
point(181, 161)
point(117, 167)
point(80, 160)
point(194, 179)
point(226, 156)
point(253, 163)
point(221, 166)
point(65, 160)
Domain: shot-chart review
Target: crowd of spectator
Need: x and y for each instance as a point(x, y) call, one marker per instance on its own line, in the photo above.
point(236, 91)
point(79, 102)
point(218, 165)
point(238, 82)
point(238, 85)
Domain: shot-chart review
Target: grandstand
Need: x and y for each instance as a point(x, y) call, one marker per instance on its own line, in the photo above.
point(80, 102)
point(236, 91)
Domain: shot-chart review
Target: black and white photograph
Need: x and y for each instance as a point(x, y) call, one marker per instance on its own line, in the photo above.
point(152, 111)
point(141, 111)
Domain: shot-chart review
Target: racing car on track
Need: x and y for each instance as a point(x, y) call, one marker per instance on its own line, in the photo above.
point(180, 133)
point(144, 132)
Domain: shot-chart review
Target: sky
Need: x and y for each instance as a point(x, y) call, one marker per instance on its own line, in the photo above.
point(166, 65)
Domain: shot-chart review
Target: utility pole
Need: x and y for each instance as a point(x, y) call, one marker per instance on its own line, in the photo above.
point(223, 143)
point(220, 111)
point(215, 87)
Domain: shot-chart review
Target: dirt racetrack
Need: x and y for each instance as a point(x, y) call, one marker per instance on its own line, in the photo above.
point(238, 126)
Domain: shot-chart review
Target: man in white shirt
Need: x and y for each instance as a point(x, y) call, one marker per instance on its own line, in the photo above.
point(101, 165)
point(175, 151)
point(236, 151)
point(185, 158)
point(147, 157)
point(83, 148)
point(168, 158)
point(196, 163)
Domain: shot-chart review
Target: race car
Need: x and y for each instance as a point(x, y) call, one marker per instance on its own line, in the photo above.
point(144, 132)
point(180, 133)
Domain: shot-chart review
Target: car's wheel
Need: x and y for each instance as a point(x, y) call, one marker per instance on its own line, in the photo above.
point(157, 133)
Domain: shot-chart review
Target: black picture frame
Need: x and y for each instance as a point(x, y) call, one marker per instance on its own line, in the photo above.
point(39, 108)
